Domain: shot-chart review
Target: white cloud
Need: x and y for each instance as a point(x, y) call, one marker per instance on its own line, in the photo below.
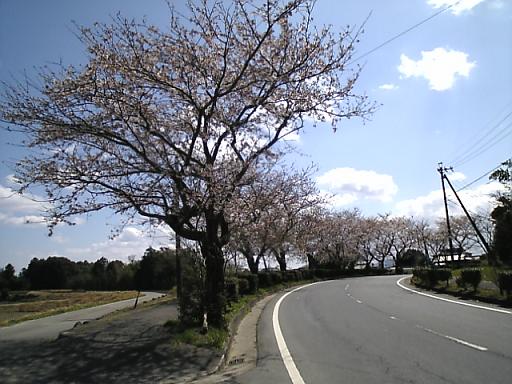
point(431, 206)
point(458, 6)
point(388, 87)
point(456, 176)
point(16, 209)
point(347, 185)
point(439, 66)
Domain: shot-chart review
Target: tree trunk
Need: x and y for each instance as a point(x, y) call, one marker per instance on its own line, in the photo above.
point(253, 265)
point(214, 284)
point(312, 263)
point(211, 249)
point(281, 260)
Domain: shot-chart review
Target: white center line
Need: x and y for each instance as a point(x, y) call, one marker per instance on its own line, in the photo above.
point(463, 342)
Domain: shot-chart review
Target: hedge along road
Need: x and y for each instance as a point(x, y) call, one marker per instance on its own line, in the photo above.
point(367, 330)
point(49, 328)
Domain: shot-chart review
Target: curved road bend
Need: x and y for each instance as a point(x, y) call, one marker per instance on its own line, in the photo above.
point(369, 330)
point(49, 328)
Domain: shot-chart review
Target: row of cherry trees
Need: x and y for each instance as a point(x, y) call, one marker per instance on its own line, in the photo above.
point(285, 223)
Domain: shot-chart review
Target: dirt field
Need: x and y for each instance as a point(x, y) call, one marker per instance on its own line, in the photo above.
point(29, 305)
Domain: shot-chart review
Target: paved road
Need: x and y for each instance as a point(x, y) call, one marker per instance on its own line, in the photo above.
point(369, 330)
point(49, 328)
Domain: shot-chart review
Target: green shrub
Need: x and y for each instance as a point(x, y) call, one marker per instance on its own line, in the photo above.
point(307, 274)
point(253, 283)
point(264, 279)
point(429, 277)
point(231, 287)
point(191, 300)
point(432, 277)
point(243, 286)
point(276, 278)
point(472, 277)
point(460, 282)
point(444, 275)
point(505, 282)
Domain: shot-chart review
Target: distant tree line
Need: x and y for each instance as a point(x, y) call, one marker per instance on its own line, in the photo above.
point(155, 271)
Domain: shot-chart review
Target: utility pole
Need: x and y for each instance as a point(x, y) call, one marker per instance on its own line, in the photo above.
point(442, 171)
point(479, 234)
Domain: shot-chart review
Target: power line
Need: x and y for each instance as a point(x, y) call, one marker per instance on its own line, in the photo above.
point(404, 32)
point(485, 147)
point(475, 139)
point(485, 143)
point(479, 178)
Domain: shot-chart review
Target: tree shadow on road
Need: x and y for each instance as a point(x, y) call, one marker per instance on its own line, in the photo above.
point(104, 354)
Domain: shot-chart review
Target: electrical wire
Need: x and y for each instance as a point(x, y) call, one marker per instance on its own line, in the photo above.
point(390, 40)
point(479, 178)
point(484, 143)
point(477, 136)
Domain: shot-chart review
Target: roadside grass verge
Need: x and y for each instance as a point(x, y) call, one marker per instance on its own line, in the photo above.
point(487, 290)
point(31, 305)
point(217, 338)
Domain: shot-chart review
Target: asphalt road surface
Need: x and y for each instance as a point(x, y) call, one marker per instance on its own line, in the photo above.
point(49, 328)
point(370, 330)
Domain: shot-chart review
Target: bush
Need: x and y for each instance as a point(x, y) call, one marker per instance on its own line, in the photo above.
point(243, 286)
point(325, 273)
point(444, 275)
point(429, 277)
point(471, 277)
point(307, 274)
point(276, 278)
point(253, 283)
point(505, 282)
point(191, 300)
point(231, 286)
point(264, 279)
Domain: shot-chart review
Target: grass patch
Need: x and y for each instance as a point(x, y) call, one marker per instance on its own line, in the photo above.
point(31, 305)
point(485, 292)
point(217, 338)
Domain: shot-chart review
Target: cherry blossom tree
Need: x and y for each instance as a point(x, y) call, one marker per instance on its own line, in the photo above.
point(268, 210)
point(405, 237)
point(295, 195)
point(340, 238)
point(168, 125)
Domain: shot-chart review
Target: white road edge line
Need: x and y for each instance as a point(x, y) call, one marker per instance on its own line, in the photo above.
point(467, 344)
point(293, 372)
point(399, 283)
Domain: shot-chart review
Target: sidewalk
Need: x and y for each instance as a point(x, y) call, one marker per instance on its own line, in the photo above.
point(126, 347)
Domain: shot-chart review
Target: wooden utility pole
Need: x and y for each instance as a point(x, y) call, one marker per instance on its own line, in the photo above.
point(441, 171)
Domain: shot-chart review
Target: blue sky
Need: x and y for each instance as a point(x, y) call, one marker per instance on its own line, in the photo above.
point(444, 89)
